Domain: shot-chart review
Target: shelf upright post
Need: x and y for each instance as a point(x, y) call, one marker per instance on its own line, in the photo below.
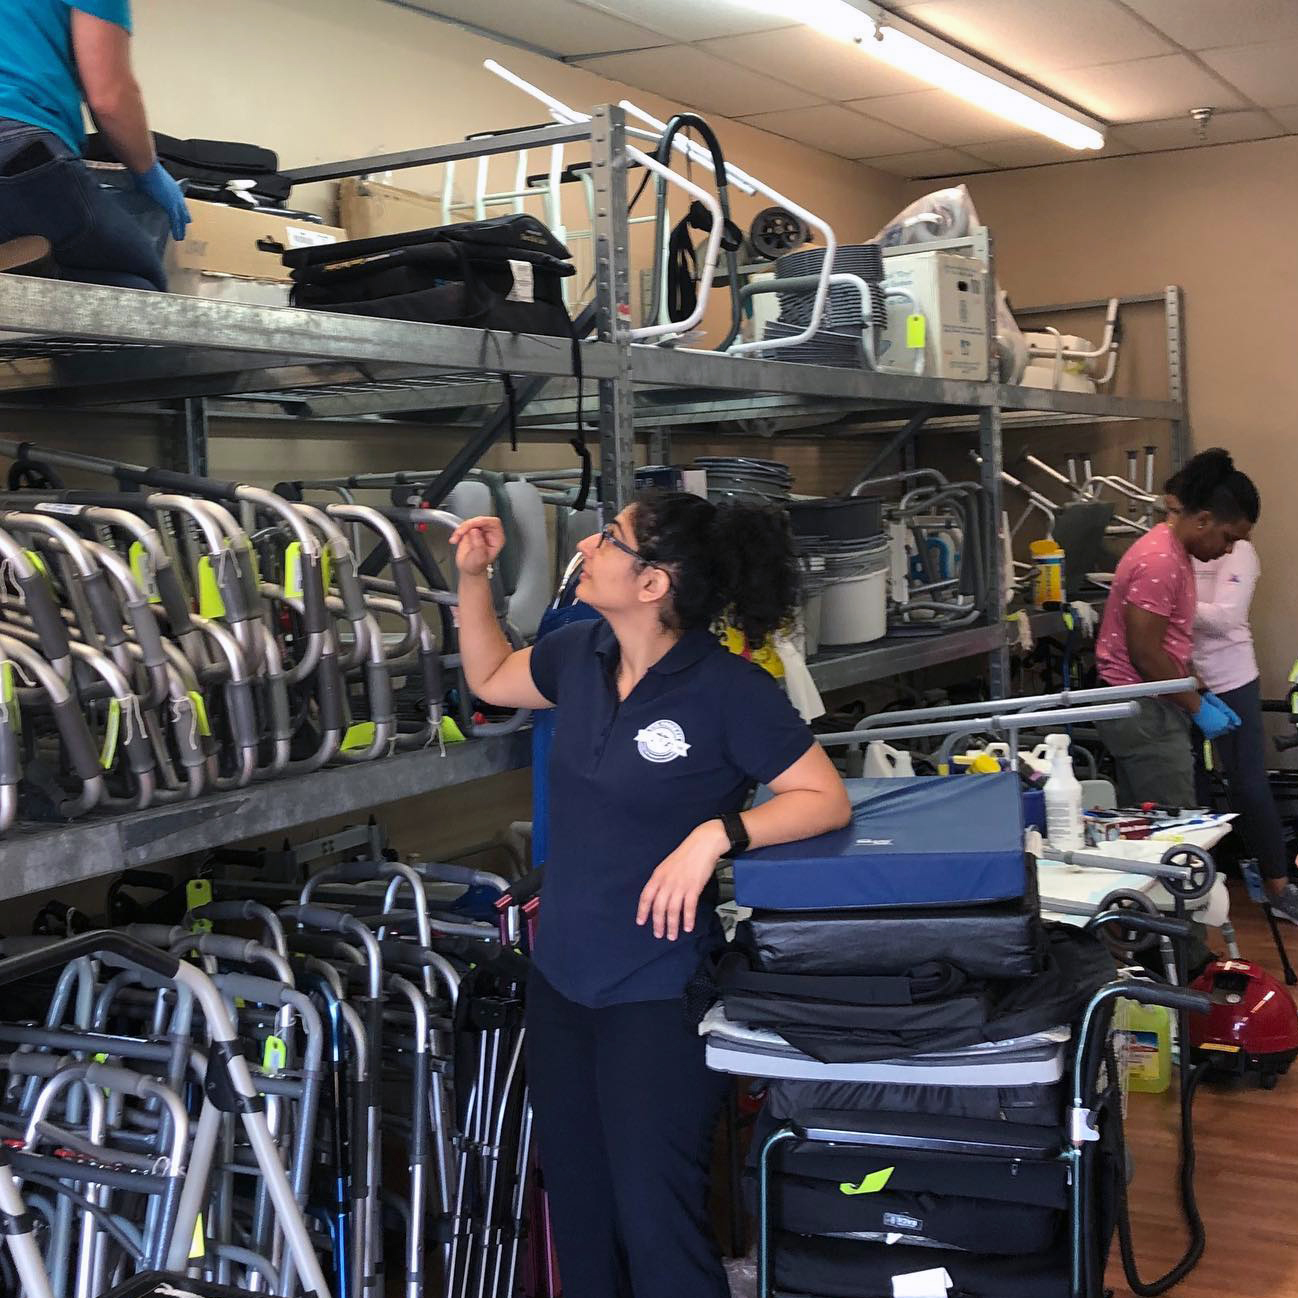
point(1173, 314)
point(193, 419)
point(991, 448)
point(613, 306)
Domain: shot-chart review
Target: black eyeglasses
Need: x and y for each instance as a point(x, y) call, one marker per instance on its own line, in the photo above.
point(606, 534)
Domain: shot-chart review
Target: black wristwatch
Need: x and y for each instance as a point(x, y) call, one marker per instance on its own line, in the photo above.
point(733, 823)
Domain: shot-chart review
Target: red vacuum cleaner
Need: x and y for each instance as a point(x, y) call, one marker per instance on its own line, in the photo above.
point(1252, 1026)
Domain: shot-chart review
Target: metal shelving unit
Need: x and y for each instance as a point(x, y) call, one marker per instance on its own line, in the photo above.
point(37, 857)
point(72, 346)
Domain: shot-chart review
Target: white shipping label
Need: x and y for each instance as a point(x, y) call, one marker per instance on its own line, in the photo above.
point(524, 289)
point(922, 1284)
point(57, 507)
point(303, 236)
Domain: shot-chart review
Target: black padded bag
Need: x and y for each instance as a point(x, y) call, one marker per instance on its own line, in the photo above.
point(210, 164)
point(847, 1268)
point(999, 941)
point(1031, 1105)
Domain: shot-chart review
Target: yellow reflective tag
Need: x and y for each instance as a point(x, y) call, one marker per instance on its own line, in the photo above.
point(142, 571)
point(360, 735)
point(210, 603)
point(916, 331)
point(200, 712)
point(112, 729)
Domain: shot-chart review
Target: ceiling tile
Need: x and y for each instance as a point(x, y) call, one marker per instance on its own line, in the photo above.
point(1287, 117)
point(1036, 36)
point(699, 80)
point(1036, 151)
point(563, 26)
point(1266, 73)
point(838, 130)
point(1182, 133)
point(690, 20)
point(938, 116)
point(804, 57)
point(927, 162)
point(1143, 90)
point(1206, 24)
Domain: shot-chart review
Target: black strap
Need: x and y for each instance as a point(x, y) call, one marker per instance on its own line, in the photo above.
point(926, 982)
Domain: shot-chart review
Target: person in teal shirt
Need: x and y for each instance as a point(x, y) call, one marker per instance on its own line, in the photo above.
point(56, 55)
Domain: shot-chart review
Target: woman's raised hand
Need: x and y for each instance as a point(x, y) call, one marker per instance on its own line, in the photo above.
point(477, 542)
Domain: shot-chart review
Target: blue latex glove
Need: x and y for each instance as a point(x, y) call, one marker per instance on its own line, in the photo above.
point(159, 186)
point(1214, 718)
point(1225, 707)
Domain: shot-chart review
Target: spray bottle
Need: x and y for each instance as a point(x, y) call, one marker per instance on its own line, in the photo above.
point(1065, 827)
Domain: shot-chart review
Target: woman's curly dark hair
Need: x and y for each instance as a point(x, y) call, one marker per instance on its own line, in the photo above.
point(1211, 481)
point(735, 561)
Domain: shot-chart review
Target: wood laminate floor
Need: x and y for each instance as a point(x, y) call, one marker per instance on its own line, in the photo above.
point(1247, 1177)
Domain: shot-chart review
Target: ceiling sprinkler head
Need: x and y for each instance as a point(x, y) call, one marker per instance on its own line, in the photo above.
point(1201, 118)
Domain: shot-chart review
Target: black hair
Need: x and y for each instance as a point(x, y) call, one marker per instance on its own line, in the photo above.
point(731, 560)
point(1211, 481)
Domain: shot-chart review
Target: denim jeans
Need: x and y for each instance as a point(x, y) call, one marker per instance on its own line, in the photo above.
point(94, 237)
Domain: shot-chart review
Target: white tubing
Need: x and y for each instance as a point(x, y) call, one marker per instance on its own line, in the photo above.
point(743, 179)
point(712, 252)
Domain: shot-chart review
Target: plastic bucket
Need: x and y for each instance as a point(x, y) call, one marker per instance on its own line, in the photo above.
point(855, 610)
point(811, 618)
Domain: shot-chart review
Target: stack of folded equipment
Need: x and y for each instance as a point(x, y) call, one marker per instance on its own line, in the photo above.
point(504, 273)
point(897, 974)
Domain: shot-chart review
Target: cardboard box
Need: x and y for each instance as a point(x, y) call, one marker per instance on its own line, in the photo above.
point(242, 241)
point(368, 208)
point(228, 288)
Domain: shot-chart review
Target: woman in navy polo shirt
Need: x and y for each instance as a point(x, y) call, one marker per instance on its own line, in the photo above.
point(660, 736)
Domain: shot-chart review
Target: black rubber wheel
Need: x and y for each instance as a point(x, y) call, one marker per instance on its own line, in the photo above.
point(1121, 941)
point(775, 231)
point(1203, 871)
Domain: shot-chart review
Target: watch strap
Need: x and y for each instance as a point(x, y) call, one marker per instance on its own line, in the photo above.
point(733, 823)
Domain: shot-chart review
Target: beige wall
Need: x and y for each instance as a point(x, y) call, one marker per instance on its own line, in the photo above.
point(1219, 222)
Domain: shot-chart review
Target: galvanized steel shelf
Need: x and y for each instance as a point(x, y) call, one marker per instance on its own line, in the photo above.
point(37, 857)
point(840, 669)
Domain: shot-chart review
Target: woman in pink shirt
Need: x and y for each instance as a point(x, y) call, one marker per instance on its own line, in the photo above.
point(1148, 627)
point(1227, 665)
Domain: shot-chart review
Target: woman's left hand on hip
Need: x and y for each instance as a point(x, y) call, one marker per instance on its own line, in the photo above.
point(671, 896)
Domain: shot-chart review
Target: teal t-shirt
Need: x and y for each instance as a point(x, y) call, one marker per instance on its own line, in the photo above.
point(38, 75)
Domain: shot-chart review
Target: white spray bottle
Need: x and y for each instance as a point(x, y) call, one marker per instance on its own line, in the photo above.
point(1065, 827)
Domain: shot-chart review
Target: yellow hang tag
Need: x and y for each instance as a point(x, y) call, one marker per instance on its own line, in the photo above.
point(9, 698)
point(871, 1184)
point(450, 732)
point(198, 892)
point(1293, 674)
point(112, 729)
point(142, 571)
point(916, 331)
point(360, 735)
point(274, 1058)
point(210, 603)
point(38, 563)
point(765, 656)
point(200, 712)
point(198, 1248)
point(293, 570)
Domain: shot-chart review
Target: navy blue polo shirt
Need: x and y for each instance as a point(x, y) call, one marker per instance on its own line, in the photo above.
point(629, 779)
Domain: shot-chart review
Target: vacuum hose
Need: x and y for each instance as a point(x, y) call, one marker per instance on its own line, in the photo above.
point(1198, 1236)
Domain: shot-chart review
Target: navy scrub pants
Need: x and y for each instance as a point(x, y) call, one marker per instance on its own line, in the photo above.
point(1242, 754)
point(625, 1111)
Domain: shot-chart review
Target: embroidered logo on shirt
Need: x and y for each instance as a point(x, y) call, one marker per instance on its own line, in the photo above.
point(661, 742)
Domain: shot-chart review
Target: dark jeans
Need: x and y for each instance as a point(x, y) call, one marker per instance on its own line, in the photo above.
point(625, 1111)
point(94, 237)
point(1242, 756)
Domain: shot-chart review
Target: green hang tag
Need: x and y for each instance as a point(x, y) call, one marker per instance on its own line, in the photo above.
point(101, 1058)
point(38, 563)
point(1293, 674)
point(293, 570)
point(210, 603)
point(274, 1058)
point(200, 712)
point(871, 1185)
point(1069, 621)
point(360, 735)
point(142, 571)
point(326, 567)
point(198, 892)
point(916, 331)
point(1207, 755)
point(451, 733)
point(112, 729)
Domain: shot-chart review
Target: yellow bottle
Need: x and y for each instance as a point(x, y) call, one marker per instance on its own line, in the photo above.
point(1147, 1035)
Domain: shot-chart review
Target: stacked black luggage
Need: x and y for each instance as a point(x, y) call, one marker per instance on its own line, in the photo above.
point(503, 273)
point(914, 1019)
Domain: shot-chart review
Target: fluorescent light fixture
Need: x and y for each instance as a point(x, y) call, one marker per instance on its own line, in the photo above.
point(910, 49)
